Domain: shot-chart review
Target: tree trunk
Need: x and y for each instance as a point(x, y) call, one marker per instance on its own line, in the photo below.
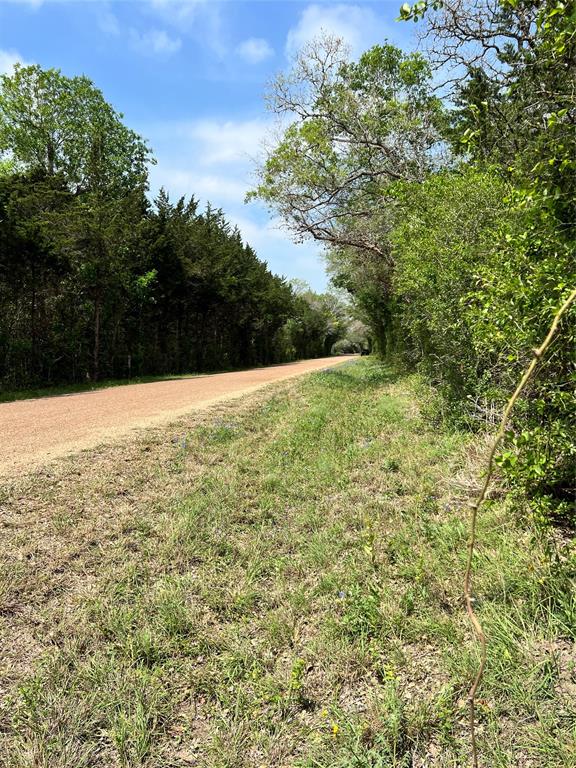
point(97, 321)
point(33, 361)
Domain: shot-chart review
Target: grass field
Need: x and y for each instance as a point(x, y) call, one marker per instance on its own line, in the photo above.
point(278, 583)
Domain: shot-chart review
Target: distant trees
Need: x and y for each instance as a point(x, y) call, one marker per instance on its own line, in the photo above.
point(98, 281)
point(318, 322)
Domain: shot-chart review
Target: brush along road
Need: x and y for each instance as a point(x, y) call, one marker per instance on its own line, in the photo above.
point(35, 431)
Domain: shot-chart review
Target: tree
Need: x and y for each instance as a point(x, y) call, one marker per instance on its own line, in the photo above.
point(354, 127)
point(97, 281)
point(62, 129)
point(316, 323)
point(442, 243)
point(514, 83)
point(57, 125)
point(30, 272)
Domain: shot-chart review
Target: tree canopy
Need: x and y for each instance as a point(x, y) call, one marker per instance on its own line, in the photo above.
point(56, 125)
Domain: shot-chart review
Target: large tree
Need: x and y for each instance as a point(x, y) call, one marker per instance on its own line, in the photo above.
point(353, 127)
point(63, 126)
point(64, 132)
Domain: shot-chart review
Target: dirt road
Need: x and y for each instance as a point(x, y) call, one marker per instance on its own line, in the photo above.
point(35, 431)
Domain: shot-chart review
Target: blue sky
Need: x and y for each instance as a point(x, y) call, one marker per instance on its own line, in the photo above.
point(190, 76)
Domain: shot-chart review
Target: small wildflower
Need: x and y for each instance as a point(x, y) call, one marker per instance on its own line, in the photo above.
point(389, 672)
point(335, 729)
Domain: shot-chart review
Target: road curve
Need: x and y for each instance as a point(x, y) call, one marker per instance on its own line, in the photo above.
point(35, 431)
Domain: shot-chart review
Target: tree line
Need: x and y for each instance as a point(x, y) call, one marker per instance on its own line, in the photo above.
point(443, 186)
point(98, 281)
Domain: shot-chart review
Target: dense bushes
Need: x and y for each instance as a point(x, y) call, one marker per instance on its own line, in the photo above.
point(476, 287)
point(441, 241)
point(516, 115)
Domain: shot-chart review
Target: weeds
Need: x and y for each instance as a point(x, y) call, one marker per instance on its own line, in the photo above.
point(281, 590)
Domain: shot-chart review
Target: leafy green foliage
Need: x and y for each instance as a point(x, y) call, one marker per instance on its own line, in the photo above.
point(63, 126)
point(533, 268)
point(442, 239)
point(97, 282)
point(355, 128)
point(515, 116)
point(453, 228)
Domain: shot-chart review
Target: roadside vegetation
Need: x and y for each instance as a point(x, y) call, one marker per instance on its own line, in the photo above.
point(442, 184)
point(278, 583)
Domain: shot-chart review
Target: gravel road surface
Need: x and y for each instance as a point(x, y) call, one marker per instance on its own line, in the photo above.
point(34, 431)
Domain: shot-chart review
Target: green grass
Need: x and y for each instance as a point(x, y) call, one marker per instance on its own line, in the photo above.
point(279, 584)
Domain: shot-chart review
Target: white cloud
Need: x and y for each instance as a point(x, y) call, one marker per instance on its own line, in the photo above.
point(359, 26)
point(228, 142)
point(201, 19)
point(178, 11)
point(155, 41)
point(255, 49)
point(7, 61)
point(108, 23)
point(211, 159)
point(219, 189)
